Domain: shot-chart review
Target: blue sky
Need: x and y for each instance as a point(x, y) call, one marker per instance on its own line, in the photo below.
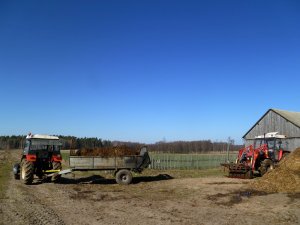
point(146, 70)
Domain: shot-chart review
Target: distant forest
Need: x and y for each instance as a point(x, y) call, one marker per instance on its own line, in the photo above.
point(71, 142)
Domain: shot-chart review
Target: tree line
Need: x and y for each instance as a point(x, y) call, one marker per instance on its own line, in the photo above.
point(68, 142)
point(72, 142)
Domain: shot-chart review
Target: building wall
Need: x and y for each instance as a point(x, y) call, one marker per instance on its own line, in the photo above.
point(272, 122)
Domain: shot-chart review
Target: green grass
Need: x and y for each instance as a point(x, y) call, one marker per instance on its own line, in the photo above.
point(65, 155)
point(189, 161)
point(5, 171)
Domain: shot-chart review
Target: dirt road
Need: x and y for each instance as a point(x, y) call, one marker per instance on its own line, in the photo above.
point(150, 200)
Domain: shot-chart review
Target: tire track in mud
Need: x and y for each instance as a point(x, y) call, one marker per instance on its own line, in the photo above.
point(35, 212)
point(22, 206)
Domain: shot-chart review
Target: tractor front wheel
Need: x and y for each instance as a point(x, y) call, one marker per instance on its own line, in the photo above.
point(27, 172)
point(265, 166)
point(249, 174)
point(56, 177)
point(16, 171)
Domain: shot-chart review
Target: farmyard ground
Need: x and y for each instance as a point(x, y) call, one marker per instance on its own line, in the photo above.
point(153, 199)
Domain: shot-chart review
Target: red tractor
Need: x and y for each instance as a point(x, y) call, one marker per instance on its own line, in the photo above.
point(41, 157)
point(257, 159)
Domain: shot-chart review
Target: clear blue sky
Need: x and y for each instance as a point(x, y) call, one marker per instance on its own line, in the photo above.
point(146, 70)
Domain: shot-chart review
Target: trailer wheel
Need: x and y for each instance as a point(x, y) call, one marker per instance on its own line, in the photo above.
point(56, 166)
point(27, 172)
point(123, 177)
point(265, 166)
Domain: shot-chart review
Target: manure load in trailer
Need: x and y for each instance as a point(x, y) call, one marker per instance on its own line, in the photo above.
point(121, 150)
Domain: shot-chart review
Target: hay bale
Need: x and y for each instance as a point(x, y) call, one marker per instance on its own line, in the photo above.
point(117, 151)
point(284, 178)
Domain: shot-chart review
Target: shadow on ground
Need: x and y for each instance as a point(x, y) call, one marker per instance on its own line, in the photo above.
point(159, 177)
point(97, 179)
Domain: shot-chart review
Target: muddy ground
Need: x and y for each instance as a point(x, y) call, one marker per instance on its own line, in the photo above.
point(156, 199)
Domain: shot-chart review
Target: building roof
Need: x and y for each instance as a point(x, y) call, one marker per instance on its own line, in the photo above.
point(292, 117)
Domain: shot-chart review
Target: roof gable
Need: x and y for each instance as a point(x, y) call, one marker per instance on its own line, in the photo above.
point(292, 117)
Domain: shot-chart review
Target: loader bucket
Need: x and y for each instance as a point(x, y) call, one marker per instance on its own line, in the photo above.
point(238, 170)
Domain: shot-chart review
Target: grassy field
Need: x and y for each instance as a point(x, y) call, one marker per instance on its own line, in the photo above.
point(65, 154)
point(5, 171)
point(165, 161)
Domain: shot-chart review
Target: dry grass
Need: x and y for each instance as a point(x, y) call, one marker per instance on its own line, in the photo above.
point(196, 173)
point(5, 172)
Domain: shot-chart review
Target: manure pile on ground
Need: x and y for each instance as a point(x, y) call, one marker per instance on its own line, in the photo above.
point(284, 178)
point(106, 151)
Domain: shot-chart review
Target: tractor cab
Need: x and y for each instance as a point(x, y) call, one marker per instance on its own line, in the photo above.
point(42, 147)
point(274, 143)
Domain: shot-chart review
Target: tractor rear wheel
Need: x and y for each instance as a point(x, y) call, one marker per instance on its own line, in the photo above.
point(265, 166)
point(56, 166)
point(27, 171)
